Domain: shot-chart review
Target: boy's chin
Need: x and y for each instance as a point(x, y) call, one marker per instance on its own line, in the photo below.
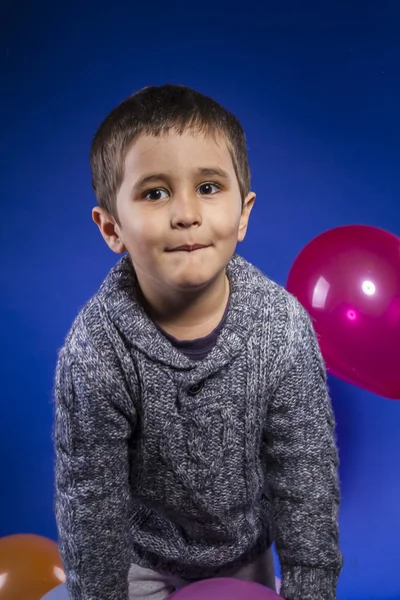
point(194, 281)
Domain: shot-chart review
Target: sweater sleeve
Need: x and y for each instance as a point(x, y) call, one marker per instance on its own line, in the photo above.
point(303, 471)
point(92, 427)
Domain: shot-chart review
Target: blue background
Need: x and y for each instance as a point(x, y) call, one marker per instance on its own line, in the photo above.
point(316, 86)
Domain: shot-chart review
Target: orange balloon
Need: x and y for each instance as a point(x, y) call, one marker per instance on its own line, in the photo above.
point(30, 566)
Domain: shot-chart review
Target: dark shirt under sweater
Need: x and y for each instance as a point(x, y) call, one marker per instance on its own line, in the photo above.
point(187, 464)
point(199, 348)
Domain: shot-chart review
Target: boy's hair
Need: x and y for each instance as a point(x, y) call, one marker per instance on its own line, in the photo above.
point(154, 111)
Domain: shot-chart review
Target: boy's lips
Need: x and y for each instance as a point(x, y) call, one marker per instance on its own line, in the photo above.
point(187, 248)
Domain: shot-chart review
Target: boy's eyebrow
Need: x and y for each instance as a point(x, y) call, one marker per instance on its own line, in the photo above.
point(203, 171)
point(211, 171)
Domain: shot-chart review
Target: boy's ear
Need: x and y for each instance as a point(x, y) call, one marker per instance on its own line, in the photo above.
point(244, 219)
point(109, 229)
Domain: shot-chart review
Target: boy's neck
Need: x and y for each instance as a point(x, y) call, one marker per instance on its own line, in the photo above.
point(189, 317)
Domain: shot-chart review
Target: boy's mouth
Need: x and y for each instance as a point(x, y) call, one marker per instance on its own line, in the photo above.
point(187, 248)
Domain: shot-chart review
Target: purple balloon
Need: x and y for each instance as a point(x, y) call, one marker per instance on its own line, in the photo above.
point(224, 589)
point(348, 279)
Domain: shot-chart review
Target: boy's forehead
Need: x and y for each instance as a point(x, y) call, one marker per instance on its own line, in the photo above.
point(188, 148)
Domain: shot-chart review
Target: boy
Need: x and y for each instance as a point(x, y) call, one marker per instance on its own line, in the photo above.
point(193, 423)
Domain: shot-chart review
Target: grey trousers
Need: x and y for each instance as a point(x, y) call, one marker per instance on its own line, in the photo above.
point(149, 585)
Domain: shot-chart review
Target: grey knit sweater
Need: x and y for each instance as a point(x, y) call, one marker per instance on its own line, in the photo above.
point(192, 466)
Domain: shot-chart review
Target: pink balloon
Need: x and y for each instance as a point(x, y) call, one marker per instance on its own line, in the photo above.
point(348, 279)
point(224, 589)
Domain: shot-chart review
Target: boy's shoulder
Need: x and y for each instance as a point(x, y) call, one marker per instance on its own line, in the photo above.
point(275, 298)
point(285, 324)
point(90, 328)
point(289, 325)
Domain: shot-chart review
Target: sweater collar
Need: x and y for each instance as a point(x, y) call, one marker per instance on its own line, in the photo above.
point(119, 297)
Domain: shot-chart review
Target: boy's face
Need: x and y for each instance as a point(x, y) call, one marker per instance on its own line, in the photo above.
point(177, 190)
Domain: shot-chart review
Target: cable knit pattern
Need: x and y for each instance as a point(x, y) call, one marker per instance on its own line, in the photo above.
point(192, 467)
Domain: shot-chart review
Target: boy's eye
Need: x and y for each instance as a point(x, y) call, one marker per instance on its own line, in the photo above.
point(155, 194)
point(206, 189)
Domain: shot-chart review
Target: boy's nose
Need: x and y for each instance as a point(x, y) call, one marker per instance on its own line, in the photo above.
point(185, 212)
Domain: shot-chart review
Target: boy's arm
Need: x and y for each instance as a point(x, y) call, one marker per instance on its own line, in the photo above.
point(302, 469)
point(92, 426)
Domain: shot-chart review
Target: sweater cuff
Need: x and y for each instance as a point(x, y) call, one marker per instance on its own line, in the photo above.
point(303, 583)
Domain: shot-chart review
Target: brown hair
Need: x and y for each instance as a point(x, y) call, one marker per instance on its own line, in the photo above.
point(154, 111)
